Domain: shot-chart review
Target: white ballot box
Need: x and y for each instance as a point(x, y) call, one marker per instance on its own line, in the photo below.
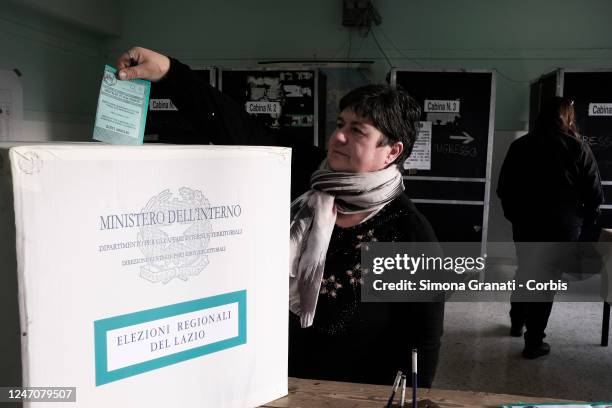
point(145, 276)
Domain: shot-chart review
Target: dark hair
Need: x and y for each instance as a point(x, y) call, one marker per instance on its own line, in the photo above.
point(557, 115)
point(392, 111)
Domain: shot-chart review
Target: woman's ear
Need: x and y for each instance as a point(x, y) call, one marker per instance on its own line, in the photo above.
point(396, 150)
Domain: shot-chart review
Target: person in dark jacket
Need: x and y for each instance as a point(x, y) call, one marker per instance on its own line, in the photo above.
point(354, 197)
point(550, 191)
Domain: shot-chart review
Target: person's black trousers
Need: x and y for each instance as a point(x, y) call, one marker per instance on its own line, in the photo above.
point(534, 315)
point(541, 254)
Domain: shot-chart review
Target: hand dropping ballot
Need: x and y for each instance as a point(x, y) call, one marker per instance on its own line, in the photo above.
point(122, 109)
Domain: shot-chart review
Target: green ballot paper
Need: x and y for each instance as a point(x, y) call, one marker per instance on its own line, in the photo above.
point(122, 109)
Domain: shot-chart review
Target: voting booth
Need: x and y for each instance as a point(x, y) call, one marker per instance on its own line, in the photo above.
point(448, 175)
point(591, 92)
point(151, 276)
point(289, 102)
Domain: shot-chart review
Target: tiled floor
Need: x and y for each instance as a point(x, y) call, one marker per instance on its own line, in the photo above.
point(478, 354)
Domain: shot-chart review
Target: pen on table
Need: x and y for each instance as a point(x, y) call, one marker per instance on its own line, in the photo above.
point(414, 378)
point(403, 398)
point(396, 383)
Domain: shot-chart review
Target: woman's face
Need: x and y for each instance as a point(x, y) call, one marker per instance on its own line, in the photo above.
point(353, 147)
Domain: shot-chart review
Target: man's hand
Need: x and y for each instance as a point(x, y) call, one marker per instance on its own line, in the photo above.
point(142, 63)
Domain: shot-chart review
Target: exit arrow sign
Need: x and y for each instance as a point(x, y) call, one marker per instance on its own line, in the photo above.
point(465, 137)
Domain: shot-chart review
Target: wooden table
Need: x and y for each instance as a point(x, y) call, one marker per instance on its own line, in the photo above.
point(321, 394)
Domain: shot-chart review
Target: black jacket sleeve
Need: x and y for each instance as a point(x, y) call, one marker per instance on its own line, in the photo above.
point(505, 184)
point(592, 194)
point(217, 118)
point(592, 191)
point(420, 324)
